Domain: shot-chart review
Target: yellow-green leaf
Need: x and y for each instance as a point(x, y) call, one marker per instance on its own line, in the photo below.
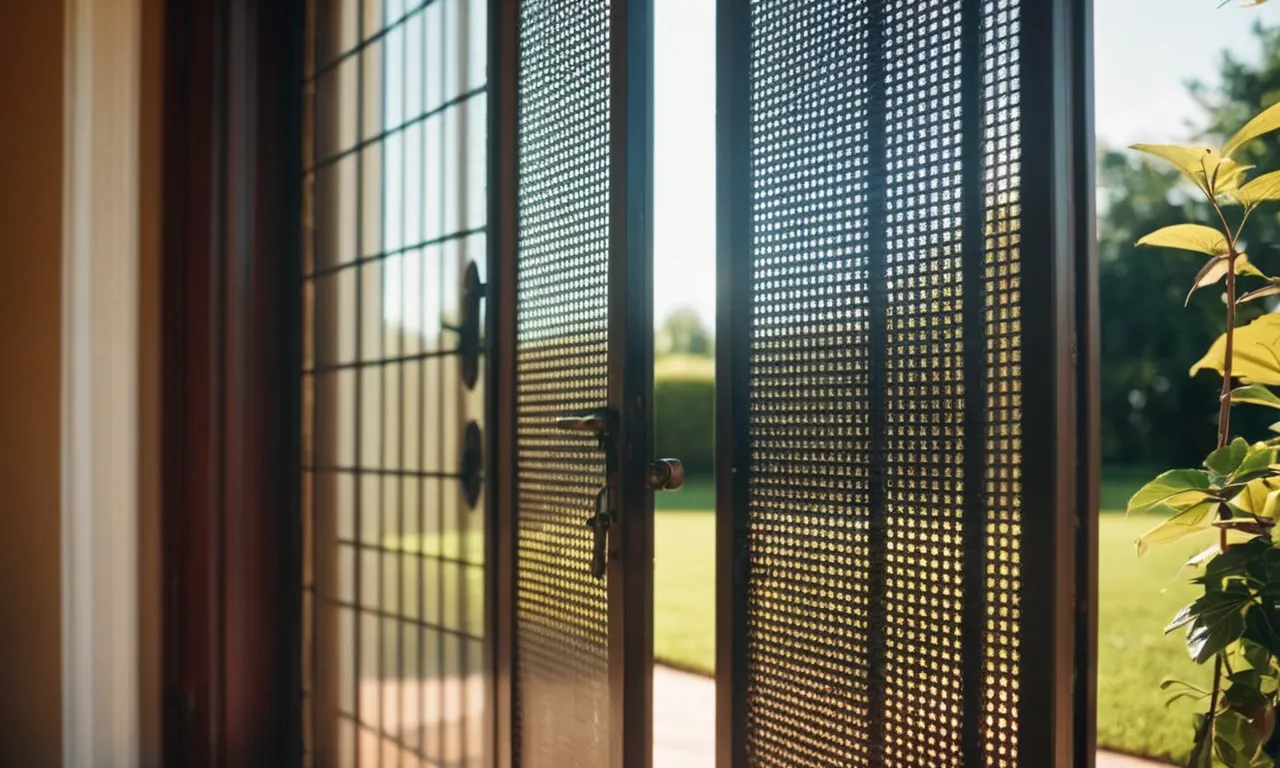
point(1175, 489)
point(1255, 394)
point(1266, 122)
point(1180, 525)
point(1255, 358)
point(1215, 269)
point(1270, 289)
point(1252, 499)
point(1206, 168)
point(1259, 190)
point(1203, 555)
point(1189, 237)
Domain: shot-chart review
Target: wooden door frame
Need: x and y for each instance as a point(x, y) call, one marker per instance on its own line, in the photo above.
point(230, 399)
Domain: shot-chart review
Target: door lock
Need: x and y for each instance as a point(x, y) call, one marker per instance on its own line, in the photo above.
point(600, 422)
point(660, 475)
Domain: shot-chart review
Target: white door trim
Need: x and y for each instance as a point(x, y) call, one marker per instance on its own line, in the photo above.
point(100, 464)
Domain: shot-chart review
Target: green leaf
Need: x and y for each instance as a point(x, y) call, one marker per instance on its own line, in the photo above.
point(1255, 394)
point(1199, 559)
point(1181, 690)
point(1189, 237)
point(1181, 619)
point(1257, 656)
point(1258, 460)
point(1262, 626)
point(1255, 357)
point(1246, 687)
point(1166, 486)
point(1234, 562)
point(1265, 122)
point(1212, 173)
point(1181, 524)
point(1259, 190)
point(1226, 459)
point(1235, 739)
point(1201, 753)
point(1219, 621)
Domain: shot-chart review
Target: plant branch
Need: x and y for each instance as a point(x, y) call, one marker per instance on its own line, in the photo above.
point(1224, 426)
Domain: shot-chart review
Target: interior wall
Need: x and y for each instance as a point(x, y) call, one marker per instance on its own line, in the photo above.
point(31, 163)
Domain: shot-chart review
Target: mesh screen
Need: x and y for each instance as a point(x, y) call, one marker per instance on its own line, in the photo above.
point(562, 318)
point(809, 407)
point(858, 507)
point(394, 208)
point(924, 400)
point(1003, 392)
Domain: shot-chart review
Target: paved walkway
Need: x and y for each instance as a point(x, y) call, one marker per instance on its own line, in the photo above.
point(684, 724)
point(683, 729)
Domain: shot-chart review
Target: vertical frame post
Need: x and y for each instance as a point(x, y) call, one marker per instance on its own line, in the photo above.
point(1088, 380)
point(1053, 483)
point(500, 382)
point(233, 563)
point(630, 573)
point(733, 340)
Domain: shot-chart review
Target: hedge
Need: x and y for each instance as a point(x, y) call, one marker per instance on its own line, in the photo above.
point(684, 411)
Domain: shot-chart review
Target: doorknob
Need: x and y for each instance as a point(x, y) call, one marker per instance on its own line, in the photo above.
point(665, 475)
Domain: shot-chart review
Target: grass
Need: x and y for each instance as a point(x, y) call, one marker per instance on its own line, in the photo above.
point(1137, 597)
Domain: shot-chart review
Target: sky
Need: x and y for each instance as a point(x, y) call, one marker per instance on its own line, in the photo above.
point(1144, 51)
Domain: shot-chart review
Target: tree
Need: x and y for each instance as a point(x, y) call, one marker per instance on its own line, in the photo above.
point(1152, 412)
point(683, 333)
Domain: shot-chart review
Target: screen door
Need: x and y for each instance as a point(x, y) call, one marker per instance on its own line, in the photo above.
point(578, 319)
point(904, 219)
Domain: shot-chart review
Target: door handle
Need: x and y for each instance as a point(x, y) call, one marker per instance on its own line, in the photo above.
point(665, 474)
point(600, 422)
point(660, 475)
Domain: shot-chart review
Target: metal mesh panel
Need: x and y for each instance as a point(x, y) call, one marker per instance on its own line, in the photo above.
point(882, 613)
point(1003, 390)
point(809, 404)
point(924, 398)
point(394, 210)
point(562, 318)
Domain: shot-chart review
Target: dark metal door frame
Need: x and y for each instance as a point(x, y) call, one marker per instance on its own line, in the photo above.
point(1055, 686)
point(230, 408)
point(630, 379)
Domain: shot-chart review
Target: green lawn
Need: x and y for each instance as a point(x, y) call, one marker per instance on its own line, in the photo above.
point(1137, 597)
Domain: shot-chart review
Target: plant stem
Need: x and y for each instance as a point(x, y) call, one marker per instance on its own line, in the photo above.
point(1224, 404)
point(1224, 401)
point(1224, 430)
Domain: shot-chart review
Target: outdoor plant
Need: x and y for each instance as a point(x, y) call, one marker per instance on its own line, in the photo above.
point(1235, 622)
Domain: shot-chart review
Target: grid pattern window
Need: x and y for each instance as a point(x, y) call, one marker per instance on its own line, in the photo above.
point(394, 212)
point(884, 383)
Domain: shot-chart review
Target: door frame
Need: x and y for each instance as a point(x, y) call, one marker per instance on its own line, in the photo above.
point(630, 378)
point(230, 392)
